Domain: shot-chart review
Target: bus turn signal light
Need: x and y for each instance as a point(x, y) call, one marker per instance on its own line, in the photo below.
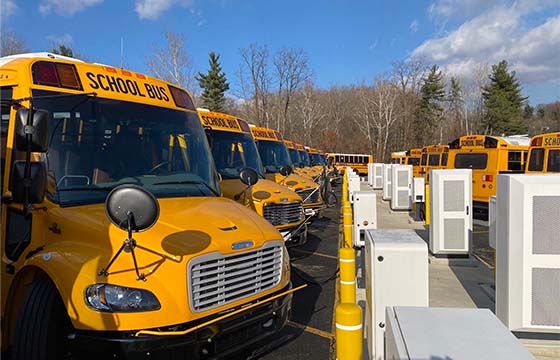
point(488, 178)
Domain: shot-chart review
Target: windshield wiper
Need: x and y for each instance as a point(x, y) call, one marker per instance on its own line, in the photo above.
point(83, 188)
point(187, 182)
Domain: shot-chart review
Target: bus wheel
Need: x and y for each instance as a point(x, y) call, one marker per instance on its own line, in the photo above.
point(43, 325)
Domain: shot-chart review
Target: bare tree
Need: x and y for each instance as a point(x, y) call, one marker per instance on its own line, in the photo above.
point(309, 110)
point(255, 81)
point(11, 43)
point(172, 63)
point(292, 71)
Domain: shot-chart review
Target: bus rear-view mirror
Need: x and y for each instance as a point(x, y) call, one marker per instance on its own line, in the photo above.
point(36, 126)
point(248, 176)
point(37, 182)
point(285, 170)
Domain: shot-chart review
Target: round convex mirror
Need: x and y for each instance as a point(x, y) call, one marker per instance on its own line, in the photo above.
point(285, 170)
point(248, 176)
point(141, 204)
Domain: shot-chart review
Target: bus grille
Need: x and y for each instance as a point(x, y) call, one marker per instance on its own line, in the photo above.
point(282, 214)
point(216, 279)
point(314, 198)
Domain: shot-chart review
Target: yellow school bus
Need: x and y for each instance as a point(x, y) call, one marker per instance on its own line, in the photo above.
point(433, 157)
point(122, 245)
point(295, 156)
point(398, 157)
point(487, 156)
point(234, 149)
point(358, 162)
point(413, 157)
point(278, 167)
point(544, 154)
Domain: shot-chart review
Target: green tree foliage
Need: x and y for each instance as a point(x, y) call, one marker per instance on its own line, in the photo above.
point(63, 50)
point(214, 85)
point(430, 111)
point(503, 102)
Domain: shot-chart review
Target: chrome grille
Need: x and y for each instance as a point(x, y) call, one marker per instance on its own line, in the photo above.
point(315, 198)
point(216, 280)
point(282, 214)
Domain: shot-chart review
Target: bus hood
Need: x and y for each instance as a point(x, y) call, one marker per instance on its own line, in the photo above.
point(186, 227)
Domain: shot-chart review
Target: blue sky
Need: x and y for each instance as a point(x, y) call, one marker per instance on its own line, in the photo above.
point(347, 42)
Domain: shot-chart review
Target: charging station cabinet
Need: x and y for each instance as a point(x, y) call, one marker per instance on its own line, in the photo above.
point(387, 181)
point(365, 214)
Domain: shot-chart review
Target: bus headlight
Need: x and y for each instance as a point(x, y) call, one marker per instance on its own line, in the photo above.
point(114, 298)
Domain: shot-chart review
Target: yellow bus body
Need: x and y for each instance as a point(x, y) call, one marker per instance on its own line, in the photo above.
point(69, 245)
point(433, 157)
point(398, 157)
point(265, 192)
point(487, 156)
point(303, 186)
point(413, 157)
point(358, 162)
point(544, 154)
point(300, 168)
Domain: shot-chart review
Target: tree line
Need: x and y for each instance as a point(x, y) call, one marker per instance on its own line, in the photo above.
point(412, 105)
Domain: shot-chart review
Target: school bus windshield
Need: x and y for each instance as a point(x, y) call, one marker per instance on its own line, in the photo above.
point(96, 144)
point(316, 159)
point(274, 155)
point(304, 158)
point(234, 151)
point(294, 156)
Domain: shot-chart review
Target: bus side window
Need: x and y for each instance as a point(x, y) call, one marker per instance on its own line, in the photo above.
point(423, 160)
point(444, 159)
point(4, 123)
point(536, 160)
point(515, 161)
point(553, 161)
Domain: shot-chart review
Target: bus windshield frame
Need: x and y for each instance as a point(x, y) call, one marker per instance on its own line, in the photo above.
point(233, 151)
point(295, 157)
point(96, 144)
point(274, 155)
point(304, 158)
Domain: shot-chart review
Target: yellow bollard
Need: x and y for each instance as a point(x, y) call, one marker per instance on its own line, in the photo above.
point(348, 223)
point(344, 190)
point(427, 203)
point(348, 332)
point(347, 264)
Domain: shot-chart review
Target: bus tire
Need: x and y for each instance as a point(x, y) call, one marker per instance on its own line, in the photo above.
point(43, 324)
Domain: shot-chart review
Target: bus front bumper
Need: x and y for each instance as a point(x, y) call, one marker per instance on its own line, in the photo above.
point(216, 341)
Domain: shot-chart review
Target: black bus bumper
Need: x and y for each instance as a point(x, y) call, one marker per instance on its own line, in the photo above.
point(220, 340)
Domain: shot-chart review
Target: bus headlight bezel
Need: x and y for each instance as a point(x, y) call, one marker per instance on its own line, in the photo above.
point(120, 299)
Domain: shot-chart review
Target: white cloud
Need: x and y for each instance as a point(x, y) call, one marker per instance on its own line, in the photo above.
point(7, 8)
point(498, 34)
point(152, 9)
point(65, 7)
point(64, 39)
point(413, 26)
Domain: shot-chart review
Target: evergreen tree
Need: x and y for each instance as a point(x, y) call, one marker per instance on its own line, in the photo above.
point(528, 112)
point(63, 50)
point(503, 102)
point(430, 112)
point(214, 85)
point(455, 106)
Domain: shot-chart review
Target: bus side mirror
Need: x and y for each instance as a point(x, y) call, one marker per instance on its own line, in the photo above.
point(37, 129)
point(248, 176)
point(286, 170)
point(37, 182)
